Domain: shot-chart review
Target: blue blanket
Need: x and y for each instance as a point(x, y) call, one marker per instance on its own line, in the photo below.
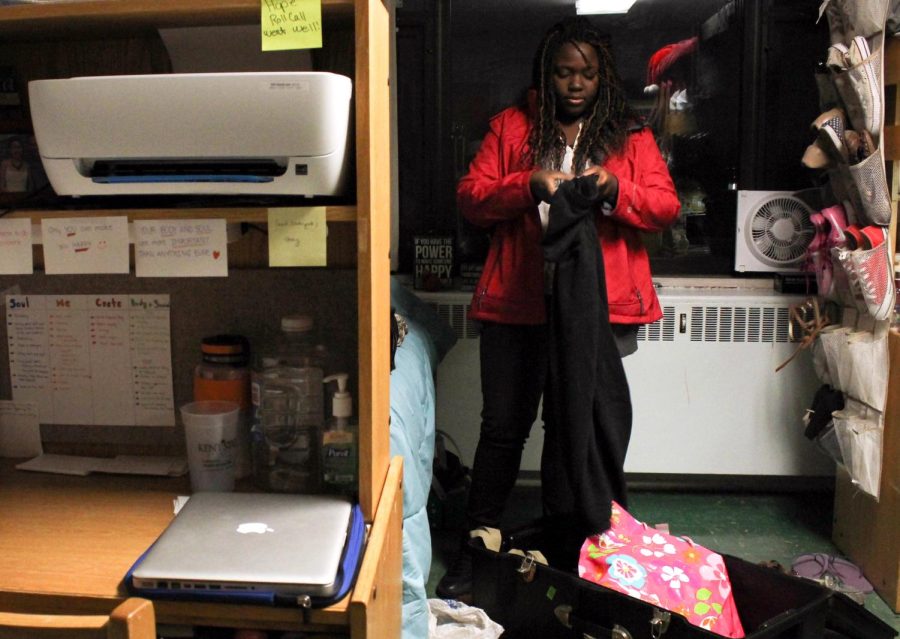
point(412, 435)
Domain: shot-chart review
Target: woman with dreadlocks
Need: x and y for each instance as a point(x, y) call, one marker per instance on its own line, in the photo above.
point(575, 123)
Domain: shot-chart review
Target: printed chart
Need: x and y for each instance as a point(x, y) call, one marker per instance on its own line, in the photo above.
point(92, 359)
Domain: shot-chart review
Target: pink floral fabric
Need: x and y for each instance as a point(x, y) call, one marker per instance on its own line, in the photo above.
point(670, 572)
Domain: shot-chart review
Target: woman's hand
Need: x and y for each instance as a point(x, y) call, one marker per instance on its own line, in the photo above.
point(544, 183)
point(608, 183)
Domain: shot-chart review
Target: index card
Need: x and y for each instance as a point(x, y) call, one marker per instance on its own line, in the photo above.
point(15, 247)
point(85, 245)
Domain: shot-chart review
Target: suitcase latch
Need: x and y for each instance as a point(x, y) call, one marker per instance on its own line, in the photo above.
point(564, 615)
point(618, 632)
point(660, 623)
point(527, 568)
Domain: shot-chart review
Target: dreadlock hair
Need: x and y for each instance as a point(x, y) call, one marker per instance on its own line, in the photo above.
point(605, 128)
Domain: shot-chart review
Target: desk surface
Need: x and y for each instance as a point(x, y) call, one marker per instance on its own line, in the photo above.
point(66, 543)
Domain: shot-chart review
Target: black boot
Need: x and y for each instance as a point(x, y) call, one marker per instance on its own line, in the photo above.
point(457, 581)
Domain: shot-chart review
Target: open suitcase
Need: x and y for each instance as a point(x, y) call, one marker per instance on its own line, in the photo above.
point(534, 600)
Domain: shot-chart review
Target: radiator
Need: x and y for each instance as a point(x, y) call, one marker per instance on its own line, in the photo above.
point(706, 397)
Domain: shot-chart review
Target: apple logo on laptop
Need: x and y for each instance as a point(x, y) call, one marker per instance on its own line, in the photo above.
point(254, 527)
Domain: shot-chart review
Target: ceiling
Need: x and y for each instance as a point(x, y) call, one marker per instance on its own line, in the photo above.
point(482, 15)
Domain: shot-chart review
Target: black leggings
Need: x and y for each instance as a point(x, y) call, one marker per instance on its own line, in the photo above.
point(513, 374)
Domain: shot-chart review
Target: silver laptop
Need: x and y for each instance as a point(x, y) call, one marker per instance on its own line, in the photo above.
point(291, 545)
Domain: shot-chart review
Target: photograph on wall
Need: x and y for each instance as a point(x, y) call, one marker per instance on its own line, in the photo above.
point(21, 171)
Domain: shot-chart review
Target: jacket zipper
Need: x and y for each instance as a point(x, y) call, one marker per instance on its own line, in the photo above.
point(640, 298)
point(480, 297)
point(483, 290)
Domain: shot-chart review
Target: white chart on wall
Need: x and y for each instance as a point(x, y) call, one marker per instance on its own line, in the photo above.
point(92, 359)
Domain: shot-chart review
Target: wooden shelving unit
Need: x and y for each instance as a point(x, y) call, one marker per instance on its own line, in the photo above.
point(373, 609)
point(249, 215)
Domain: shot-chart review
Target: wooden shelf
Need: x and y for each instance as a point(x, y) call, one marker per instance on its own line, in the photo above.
point(251, 215)
point(52, 20)
point(108, 521)
point(251, 251)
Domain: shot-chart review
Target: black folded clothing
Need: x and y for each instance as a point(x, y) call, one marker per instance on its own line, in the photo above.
point(825, 402)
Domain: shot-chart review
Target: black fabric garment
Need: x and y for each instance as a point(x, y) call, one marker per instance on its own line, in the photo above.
point(827, 400)
point(584, 454)
point(395, 336)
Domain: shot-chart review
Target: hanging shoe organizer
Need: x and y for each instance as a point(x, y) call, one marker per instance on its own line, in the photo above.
point(852, 251)
point(867, 496)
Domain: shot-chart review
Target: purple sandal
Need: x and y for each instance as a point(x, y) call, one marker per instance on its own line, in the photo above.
point(834, 572)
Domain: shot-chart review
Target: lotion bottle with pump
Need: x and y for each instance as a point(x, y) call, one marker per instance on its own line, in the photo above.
point(339, 441)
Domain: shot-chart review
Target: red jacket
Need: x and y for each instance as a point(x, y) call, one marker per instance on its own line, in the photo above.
point(495, 194)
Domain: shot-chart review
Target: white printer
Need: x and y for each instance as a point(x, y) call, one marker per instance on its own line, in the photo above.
point(194, 133)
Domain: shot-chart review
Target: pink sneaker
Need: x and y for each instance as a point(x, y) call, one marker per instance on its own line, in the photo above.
point(845, 290)
point(875, 278)
point(821, 264)
point(872, 236)
point(837, 220)
point(853, 236)
point(820, 235)
point(847, 281)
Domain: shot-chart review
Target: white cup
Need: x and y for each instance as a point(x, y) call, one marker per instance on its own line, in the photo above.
point(211, 435)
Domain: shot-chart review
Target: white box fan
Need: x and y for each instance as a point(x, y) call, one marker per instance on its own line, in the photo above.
point(773, 232)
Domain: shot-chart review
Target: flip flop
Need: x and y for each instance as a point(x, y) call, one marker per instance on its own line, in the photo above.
point(835, 572)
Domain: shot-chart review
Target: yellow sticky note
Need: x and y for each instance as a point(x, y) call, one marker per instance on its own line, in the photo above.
point(297, 236)
point(291, 24)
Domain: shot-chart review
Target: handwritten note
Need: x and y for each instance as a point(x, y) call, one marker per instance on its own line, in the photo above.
point(92, 359)
point(15, 247)
point(180, 248)
point(85, 245)
point(291, 24)
point(298, 236)
point(20, 430)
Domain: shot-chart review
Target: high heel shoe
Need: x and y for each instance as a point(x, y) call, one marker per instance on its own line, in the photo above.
point(815, 157)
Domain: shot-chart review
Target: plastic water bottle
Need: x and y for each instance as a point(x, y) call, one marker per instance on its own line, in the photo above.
point(288, 409)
